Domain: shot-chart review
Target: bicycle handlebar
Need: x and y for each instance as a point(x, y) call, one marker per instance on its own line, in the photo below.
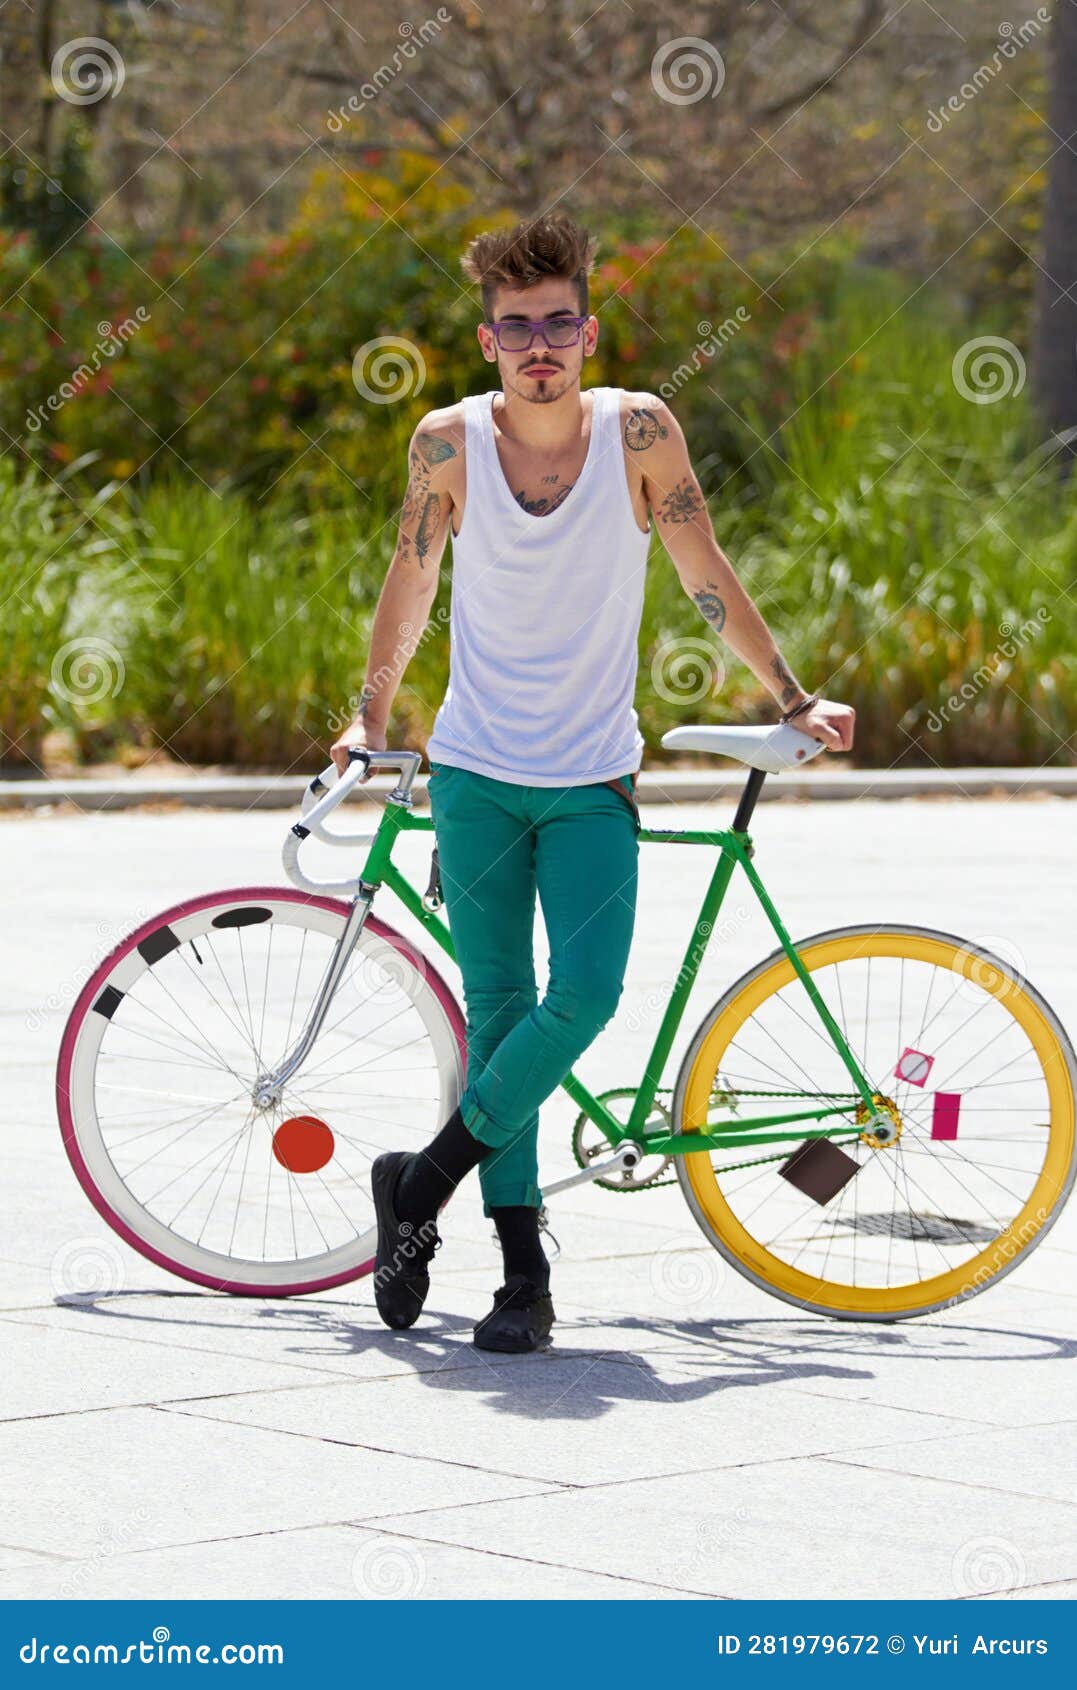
point(786, 745)
point(322, 796)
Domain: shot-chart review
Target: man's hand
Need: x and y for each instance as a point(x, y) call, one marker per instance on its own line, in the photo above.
point(831, 723)
point(363, 734)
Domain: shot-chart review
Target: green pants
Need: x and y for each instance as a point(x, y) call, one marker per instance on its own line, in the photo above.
point(497, 844)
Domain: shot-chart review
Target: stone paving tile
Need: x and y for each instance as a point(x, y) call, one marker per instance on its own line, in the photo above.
point(290, 1340)
point(954, 1365)
point(1045, 1310)
point(1058, 1590)
point(1031, 1461)
point(25, 1560)
point(148, 1478)
point(583, 1421)
point(60, 1370)
point(804, 1529)
point(1005, 1376)
point(346, 1563)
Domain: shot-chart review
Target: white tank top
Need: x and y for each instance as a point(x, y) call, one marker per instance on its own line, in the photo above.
point(544, 619)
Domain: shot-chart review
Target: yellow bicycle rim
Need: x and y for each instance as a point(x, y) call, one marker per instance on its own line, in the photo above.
point(919, 1295)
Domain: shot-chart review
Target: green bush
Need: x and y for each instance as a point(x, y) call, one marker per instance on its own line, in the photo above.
point(48, 554)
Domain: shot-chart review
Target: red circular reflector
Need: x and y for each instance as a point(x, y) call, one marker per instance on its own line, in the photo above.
point(303, 1144)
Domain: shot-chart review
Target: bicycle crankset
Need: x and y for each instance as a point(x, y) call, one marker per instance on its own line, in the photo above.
point(589, 1144)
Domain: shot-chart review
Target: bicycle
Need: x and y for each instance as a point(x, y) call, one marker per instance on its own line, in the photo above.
point(849, 1137)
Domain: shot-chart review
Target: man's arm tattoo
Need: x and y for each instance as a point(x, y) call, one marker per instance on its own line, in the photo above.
point(710, 606)
point(418, 473)
point(434, 449)
point(366, 698)
point(428, 523)
point(782, 675)
point(421, 510)
point(682, 502)
point(426, 452)
point(642, 429)
point(410, 516)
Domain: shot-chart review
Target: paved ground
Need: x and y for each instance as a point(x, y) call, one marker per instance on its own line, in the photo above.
point(686, 1436)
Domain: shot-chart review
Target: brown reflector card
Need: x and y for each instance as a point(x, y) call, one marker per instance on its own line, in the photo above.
point(819, 1169)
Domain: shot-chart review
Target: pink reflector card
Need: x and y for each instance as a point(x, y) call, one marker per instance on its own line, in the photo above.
point(914, 1066)
point(945, 1113)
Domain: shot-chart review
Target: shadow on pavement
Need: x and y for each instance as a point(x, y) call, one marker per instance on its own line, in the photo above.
point(698, 1358)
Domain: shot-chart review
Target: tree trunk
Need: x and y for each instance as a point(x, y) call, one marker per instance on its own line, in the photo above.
point(1055, 336)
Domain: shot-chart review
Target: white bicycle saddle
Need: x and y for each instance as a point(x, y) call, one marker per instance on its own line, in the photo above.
point(773, 749)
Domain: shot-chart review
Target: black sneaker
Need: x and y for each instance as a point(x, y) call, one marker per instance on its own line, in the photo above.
point(520, 1318)
point(404, 1248)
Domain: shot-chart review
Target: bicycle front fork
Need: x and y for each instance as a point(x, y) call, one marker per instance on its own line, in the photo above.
point(268, 1087)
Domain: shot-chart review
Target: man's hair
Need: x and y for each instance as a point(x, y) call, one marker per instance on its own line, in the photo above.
point(550, 245)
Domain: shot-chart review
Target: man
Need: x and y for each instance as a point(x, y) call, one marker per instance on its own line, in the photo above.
point(549, 491)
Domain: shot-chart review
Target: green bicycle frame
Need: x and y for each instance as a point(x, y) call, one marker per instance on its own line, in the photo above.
point(734, 847)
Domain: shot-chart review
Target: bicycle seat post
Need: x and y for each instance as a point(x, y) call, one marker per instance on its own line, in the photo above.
point(753, 786)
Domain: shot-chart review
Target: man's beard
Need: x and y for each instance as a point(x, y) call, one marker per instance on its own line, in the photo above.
point(542, 390)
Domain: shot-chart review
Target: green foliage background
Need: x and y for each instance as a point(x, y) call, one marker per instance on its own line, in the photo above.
point(210, 513)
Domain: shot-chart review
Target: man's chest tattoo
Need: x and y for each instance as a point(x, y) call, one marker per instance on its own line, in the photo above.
point(544, 503)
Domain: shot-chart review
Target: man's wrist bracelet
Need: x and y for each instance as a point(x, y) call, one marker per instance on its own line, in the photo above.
point(805, 704)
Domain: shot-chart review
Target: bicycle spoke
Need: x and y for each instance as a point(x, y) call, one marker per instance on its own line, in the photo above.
point(139, 1032)
point(237, 1024)
point(195, 1116)
point(160, 1150)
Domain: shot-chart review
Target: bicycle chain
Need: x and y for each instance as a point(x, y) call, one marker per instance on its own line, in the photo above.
point(746, 1093)
point(731, 1167)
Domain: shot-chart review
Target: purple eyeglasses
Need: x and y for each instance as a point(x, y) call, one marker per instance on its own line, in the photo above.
point(516, 336)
